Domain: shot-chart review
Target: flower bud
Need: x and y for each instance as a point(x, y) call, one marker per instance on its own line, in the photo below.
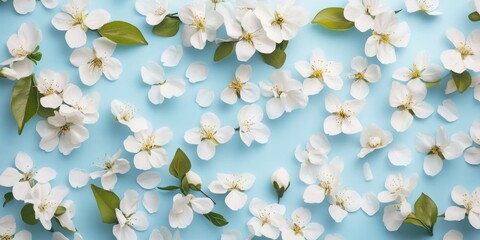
point(280, 176)
point(8, 73)
point(193, 179)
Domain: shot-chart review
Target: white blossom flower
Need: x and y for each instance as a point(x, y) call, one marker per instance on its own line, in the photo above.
point(267, 219)
point(280, 178)
point(25, 177)
point(93, 63)
point(313, 157)
point(240, 87)
point(373, 138)
point(28, 6)
point(472, 155)
point(319, 71)
point(46, 200)
point(148, 147)
point(8, 229)
point(343, 118)
point(8, 73)
point(200, 24)
point(51, 85)
point(408, 101)
point(343, 202)
point(427, 6)
point(394, 214)
point(284, 22)
point(466, 55)
point(387, 34)
point(164, 234)
point(470, 203)
point(399, 187)
point(129, 219)
point(208, 135)
point(181, 214)
point(65, 219)
point(251, 127)
point(76, 21)
point(235, 185)
point(285, 94)
point(24, 46)
point(154, 10)
point(363, 13)
point(66, 132)
point(124, 113)
point(300, 227)
point(110, 168)
point(362, 74)
point(421, 69)
point(329, 177)
point(76, 103)
point(162, 87)
point(437, 149)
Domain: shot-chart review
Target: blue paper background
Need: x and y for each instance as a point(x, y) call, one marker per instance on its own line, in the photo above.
point(181, 114)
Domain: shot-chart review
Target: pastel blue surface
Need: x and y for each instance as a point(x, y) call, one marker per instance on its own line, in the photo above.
point(181, 114)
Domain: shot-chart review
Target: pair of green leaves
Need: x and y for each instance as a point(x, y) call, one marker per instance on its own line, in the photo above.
point(425, 214)
point(107, 202)
point(35, 56)
point(168, 27)
point(462, 80)
point(122, 33)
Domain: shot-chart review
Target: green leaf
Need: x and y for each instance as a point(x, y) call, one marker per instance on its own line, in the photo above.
point(168, 188)
point(283, 45)
point(24, 101)
point(426, 210)
point(185, 186)
point(28, 214)
point(107, 201)
point(462, 80)
point(217, 219)
point(122, 33)
point(275, 59)
point(432, 84)
point(45, 112)
point(168, 27)
point(223, 50)
point(474, 16)
point(412, 219)
point(8, 198)
point(180, 164)
point(60, 211)
point(333, 19)
point(397, 11)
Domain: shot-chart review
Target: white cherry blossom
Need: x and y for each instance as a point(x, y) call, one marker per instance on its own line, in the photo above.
point(318, 72)
point(129, 219)
point(93, 63)
point(420, 70)
point(162, 87)
point(363, 74)
point(472, 155)
point(76, 103)
point(285, 94)
point(329, 176)
point(363, 13)
point(124, 113)
point(343, 118)
point(387, 34)
point(409, 103)
point(208, 135)
point(241, 87)
point(267, 219)
point(76, 20)
point(313, 157)
point(148, 147)
point(343, 202)
point(66, 219)
point(181, 214)
point(251, 127)
point(466, 55)
point(399, 187)
point(373, 138)
point(427, 6)
point(50, 85)
point(8, 229)
point(235, 185)
point(394, 215)
point(112, 166)
point(300, 227)
point(46, 200)
point(154, 10)
point(470, 206)
point(25, 177)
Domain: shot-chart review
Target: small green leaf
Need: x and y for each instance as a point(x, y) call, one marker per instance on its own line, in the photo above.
point(24, 101)
point(275, 59)
point(474, 16)
point(60, 211)
point(185, 186)
point(333, 19)
point(168, 188)
point(45, 112)
point(168, 27)
point(462, 80)
point(432, 84)
point(122, 33)
point(28, 214)
point(412, 219)
point(397, 11)
point(180, 164)
point(107, 202)
point(283, 45)
point(217, 219)
point(223, 50)
point(426, 210)
point(8, 198)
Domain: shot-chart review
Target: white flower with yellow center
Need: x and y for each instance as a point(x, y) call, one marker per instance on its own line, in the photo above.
point(408, 101)
point(93, 63)
point(398, 186)
point(343, 202)
point(267, 219)
point(251, 127)
point(46, 200)
point(208, 135)
point(363, 13)
point(51, 85)
point(129, 219)
point(300, 227)
point(200, 24)
point(240, 87)
point(124, 113)
point(420, 70)
point(235, 185)
point(76, 103)
point(76, 21)
point(154, 10)
point(343, 118)
point(470, 206)
point(110, 168)
point(363, 74)
point(466, 55)
point(8, 228)
point(394, 214)
point(313, 157)
point(427, 6)
point(373, 138)
point(387, 34)
point(329, 178)
point(148, 147)
point(162, 87)
point(181, 214)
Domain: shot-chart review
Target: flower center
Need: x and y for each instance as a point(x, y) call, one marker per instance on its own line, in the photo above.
point(374, 142)
point(278, 20)
point(426, 6)
point(317, 73)
point(465, 50)
point(384, 38)
point(246, 125)
point(6, 237)
point(247, 37)
point(96, 64)
point(297, 230)
point(237, 85)
point(343, 114)
point(149, 144)
point(108, 166)
point(20, 52)
point(359, 76)
point(159, 11)
point(199, 22)
point(42, 207)
point(276, 92)
point(208, 133)
point(127, 112)
point(415, 72)
point(27, 177)
point(436, 150)
point(264, 217)
point(326, 186)
point(65, 128)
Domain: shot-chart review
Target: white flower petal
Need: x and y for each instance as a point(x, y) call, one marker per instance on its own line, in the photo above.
point(204, 97)
point(148, 179)
point(454, 213)
point(472, 155)
point(197, 72)
point(235, 200)
point(448, 110)
point(370, 204)
point(400, 155)
point(432, 164)
point(78, 178)
point(453, 235)
point(172, 55)
point(151, 201)
point(367, 172)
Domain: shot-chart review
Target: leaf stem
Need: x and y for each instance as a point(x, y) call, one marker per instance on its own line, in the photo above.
point(204, 194)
